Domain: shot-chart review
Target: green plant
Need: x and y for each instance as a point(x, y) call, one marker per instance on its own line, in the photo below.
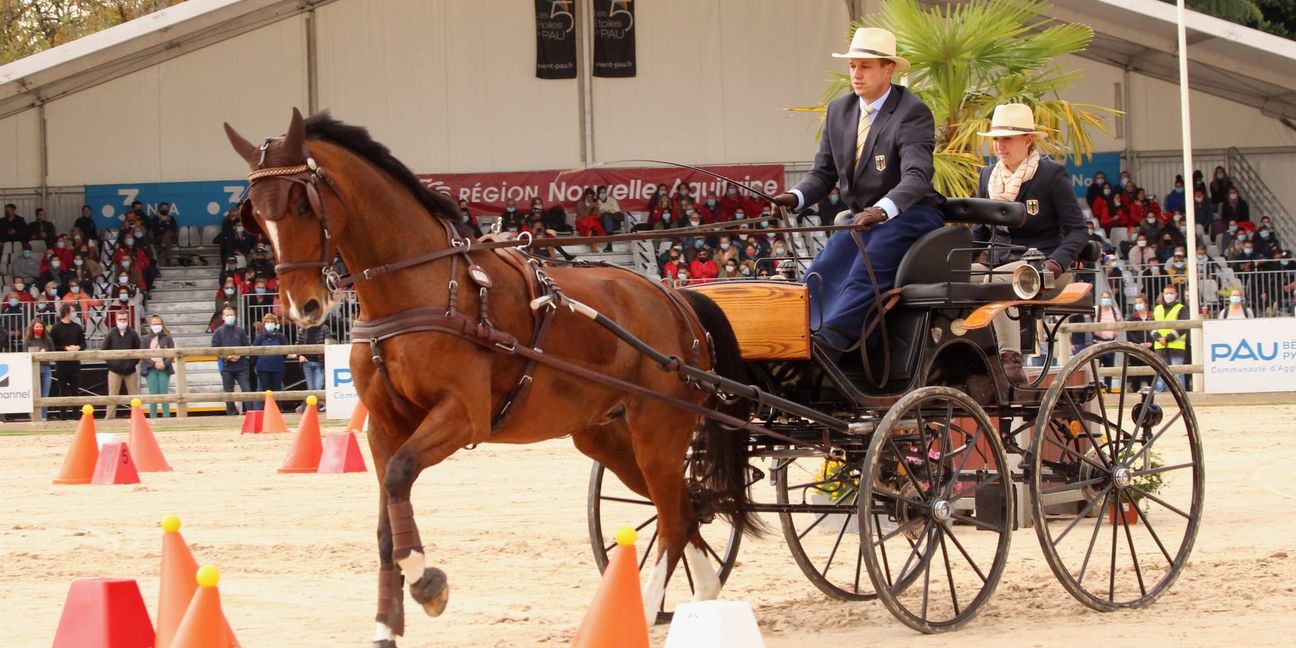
point(1148, 483)
point(969, 57)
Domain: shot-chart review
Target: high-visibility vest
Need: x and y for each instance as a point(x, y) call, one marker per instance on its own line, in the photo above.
point(1161, 315)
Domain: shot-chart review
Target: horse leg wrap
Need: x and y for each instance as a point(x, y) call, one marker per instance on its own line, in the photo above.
point(432, 591)
point(404, 533)
point(391, 599)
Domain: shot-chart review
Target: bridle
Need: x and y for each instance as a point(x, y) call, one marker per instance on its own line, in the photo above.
point(310, 176)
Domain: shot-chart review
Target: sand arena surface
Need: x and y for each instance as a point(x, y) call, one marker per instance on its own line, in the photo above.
point(298, 556)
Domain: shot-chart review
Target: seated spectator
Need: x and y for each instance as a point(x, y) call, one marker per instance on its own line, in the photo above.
point(681, 277)
point(1204, 213)
point(261, 302)
point(588, 220)
point(1265, 241)
point(1141, 253)
point(226, 297)
point(25, 265)
point(1098, 236)
point(469, 219)
point(1236, 309)
point(83, 273)
point(22, 289)
point(1174, 201)
point(1112, 214)
point(41, 229)
point(711, 211)
point(1165, 248)
point(1095, 189)
point(1176, 268)
point(123, 280)
point(165, 232)
point(610, 212)
point(730, 269)
point(555, 218)
point(704, 269)
point(83, 299)
point(86, 224)
point(13, 228)
point(747, 269)
point(727, 251)
point(1234, 207)
point(122, 301)
point(1150, 228)
point(1149, 207)
point(661, 219)
point(1151, 278)
point(673, 262)
point(1220, 186)
point(54, 273)
point(510, 219)
point(88, 250)
point(261, 263)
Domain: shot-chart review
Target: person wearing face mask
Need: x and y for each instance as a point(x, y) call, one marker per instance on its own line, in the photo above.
point(1149, 227)
point(25, 265)
point(36, 339)
point(588, 220)
point(726, 251)
point(67, 335)
point(22, 288)
point(1236, 308)
point(730, 270)
point(13, 308)
point(510, 217)
point(1264, 242)
point(233, 367)
point(1141, 253)
point(270, 368)
point(261, 302)
point(1095, 190)
point(1169, 343)
point(55, 273)
point(610, 212)
point(81, 272)
point(121, 373)
point(1235, 207)
point(83, 299)
point(1110, 211)
point(1176, 200)
point(674, 261)
point(157, 371)
point(681, 277)
point(227, 296)
point(86, 224)
point(165, 231)
point(704, 269)
point(1220, 185)
point(1139, 312)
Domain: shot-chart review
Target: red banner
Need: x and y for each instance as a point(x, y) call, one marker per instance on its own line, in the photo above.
point(486, 193)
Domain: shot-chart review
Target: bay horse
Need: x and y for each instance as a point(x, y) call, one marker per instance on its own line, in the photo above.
point(446, 326)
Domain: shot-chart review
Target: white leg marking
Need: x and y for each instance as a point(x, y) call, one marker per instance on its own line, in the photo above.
point(411, 566)
point(706, 585)
point(383, 633)
point(655, 590)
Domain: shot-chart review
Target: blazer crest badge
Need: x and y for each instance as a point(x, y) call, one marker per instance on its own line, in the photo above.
point(879, 162)
point(1032, 207)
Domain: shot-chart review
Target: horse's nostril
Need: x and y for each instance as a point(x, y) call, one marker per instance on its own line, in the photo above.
point(312, 308)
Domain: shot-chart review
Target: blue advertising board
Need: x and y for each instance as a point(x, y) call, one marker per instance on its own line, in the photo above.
point(192, 203)
point(1082, 174)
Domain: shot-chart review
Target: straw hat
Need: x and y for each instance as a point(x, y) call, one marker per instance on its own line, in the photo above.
point(875, 43)
point(1012, 119)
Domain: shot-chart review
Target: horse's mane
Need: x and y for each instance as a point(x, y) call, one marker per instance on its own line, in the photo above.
point(356, 139)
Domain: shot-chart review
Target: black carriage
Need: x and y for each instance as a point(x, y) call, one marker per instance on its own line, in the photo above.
point(899, 471)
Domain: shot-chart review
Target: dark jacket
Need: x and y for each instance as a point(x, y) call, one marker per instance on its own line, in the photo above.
point(164, 342)
point(64, 335)
point(316, 335)
point(115, 339)
point(1056, 227)
point(270, 363)
point(230, 336)
point(896, 161)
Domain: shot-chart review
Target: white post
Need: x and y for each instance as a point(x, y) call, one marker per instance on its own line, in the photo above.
point(1194, 300)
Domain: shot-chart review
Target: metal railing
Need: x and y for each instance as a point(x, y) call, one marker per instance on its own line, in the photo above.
point(1260, 198)
point(181, 397)
point(1267, 286)
point(253, 307)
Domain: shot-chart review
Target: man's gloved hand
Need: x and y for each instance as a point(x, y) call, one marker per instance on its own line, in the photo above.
point(786, 200)
point(870, 216)
point(1053, 266)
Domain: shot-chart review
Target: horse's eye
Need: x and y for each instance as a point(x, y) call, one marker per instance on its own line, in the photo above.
point(303, 207)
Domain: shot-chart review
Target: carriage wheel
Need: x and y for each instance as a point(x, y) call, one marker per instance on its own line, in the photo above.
point(937, 509)
point(612, 505)
point(823, 532)
point(1095, 453)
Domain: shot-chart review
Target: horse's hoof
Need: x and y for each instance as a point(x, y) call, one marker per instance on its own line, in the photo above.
point(432, 591)
point(385, 643)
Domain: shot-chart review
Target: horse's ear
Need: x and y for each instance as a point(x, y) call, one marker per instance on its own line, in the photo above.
point(244, 148)
point(295, 138)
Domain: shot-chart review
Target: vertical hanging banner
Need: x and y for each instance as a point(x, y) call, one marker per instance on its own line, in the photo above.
point(614, 38)
point(555, 39)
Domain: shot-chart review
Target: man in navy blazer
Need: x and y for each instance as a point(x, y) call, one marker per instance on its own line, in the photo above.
point(884, 180)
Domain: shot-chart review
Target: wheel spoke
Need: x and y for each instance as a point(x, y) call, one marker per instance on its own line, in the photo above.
point(913, 551)
point(900, 498)
point(1082, 515)
point(625, 500)
point(607, 548)
point(1160, 501)
point(1111, 575)
point(1073, 486)
point(648, 550)
point(1161, 469)
point(966, 556)
point(1129, 540)
point(907, 471)
point(1079, 414)
point(898, 530)
point(1120, 406)
point(1102, 411)
point(975, 522)
point(1077, 455)
point(949, 573)
point(1147, 522)
point(1155, 437)
point(841, 533)
point(1093, 539)
point(927, 574)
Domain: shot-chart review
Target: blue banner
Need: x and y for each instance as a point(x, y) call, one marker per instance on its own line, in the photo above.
point(1082, 174)
point(192, 203)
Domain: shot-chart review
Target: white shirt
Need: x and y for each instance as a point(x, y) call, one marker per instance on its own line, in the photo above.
point(885, 203)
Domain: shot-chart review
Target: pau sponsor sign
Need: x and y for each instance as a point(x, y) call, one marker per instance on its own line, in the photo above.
point(339, 386)
point(1254, 355)
point(16, 383)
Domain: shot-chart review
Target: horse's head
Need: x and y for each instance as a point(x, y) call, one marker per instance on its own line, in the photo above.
point(286, 202)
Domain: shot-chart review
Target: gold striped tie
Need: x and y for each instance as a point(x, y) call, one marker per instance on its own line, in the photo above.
point(861, 133)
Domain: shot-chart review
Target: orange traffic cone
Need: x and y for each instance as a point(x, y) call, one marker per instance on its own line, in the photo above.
point(616, 617)
point(79, 465)
point(203, 625)
point(143, 445)
point(304, 457)
point(178, 584)
point(272, 421)
point(358, 416)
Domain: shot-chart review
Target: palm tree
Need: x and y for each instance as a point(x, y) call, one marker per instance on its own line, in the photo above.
point(965, 59)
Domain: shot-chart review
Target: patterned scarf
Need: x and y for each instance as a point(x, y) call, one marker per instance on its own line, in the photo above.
point(1005, 185)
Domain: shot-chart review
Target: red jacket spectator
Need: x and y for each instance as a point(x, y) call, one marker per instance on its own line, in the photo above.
point(1109, 219)
point(704, 269)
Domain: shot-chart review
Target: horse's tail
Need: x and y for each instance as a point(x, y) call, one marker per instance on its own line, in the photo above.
point(723, 449)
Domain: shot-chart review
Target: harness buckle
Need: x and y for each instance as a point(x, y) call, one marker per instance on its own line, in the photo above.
point(332, 280)
point(528, 236)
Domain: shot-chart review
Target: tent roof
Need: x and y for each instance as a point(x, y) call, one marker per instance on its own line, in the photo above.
point(133, 46)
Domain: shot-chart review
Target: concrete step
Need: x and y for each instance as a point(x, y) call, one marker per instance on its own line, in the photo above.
point(169, 309)
point(189, 273)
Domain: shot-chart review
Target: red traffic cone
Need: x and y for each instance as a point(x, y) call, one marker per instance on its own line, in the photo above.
point(104, 613)
point(203, 625)
point(79, 465)
point(304, 457)
point(616, 617)
point(252, 422)
point(115, 466)
point(272, 421)
point(341, 454)
point(144, 446)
